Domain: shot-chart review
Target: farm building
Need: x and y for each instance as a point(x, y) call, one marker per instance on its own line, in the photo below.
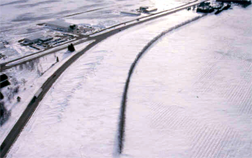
point(61, 25)
point(34, 39)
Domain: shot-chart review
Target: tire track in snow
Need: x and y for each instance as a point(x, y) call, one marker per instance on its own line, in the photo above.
point(245, 104)
point(169, 115)
point(207, 145)
point(204, 76)
point(238, 96)
point(233, 137)
point(121, 128)
point(208, 140)
point(215, 141)
point(178, 121)
point(198, 144)
point(223, 142)
point(242, 99)
point(164, 118)
point(204, 141)
point(249, 106)
point(211, 142)
point(195, 124)
point(235, 143)
point(217, 147)
point(174, 120)
point(199, 133)
point(233, 92)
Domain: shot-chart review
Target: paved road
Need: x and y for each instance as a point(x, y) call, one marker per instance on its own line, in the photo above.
point(16, 130)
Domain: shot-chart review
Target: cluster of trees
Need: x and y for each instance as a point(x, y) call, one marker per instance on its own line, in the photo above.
point(4, 114)
point(2, 109)
point(30, 65)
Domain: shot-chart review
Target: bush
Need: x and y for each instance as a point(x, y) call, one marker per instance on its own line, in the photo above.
point(4, 114)
point(2, 109)
point(71, 48)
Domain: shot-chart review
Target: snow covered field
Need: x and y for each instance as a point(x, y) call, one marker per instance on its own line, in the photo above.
point(188, 97)
point(81, 110)
point(21, 22)
point(31, 80)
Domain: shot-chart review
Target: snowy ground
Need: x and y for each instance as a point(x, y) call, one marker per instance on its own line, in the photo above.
point(30, 76)
point(21, 22)
point(29, 80)
point(189, 96)
point(79, 115)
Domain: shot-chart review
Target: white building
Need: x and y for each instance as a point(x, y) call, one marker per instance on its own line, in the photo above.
point(61, 25)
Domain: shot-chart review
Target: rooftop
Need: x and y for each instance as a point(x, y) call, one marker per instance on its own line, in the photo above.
point(59, 23)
